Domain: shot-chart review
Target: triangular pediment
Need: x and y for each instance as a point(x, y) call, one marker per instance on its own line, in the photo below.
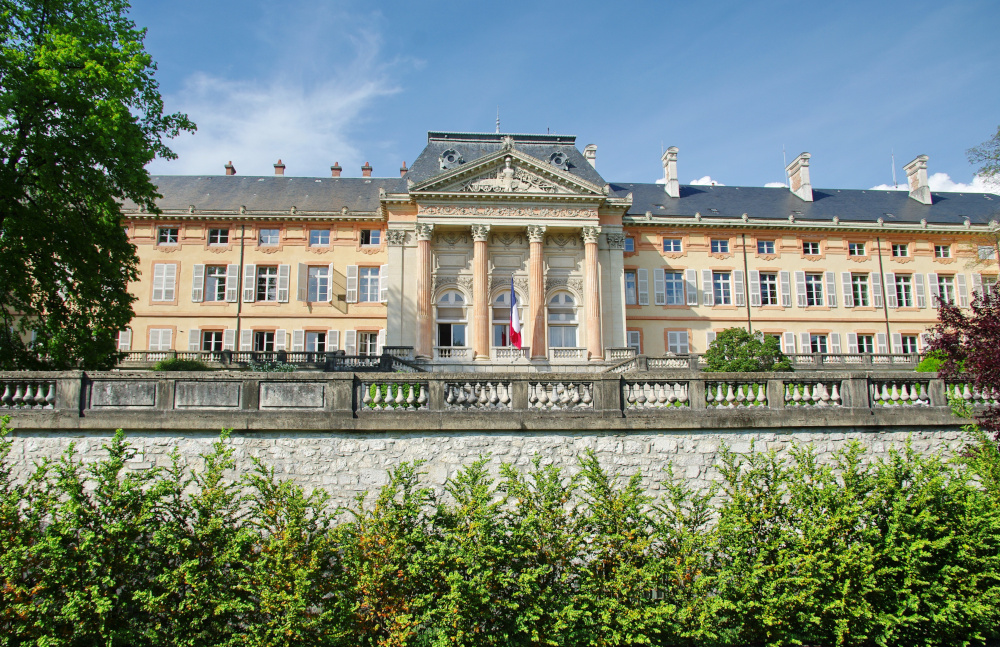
point(507, 172)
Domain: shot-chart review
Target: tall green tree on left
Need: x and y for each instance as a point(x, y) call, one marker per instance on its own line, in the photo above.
point(80, 118)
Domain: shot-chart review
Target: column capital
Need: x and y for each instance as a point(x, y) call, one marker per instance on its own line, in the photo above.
point(536, 233)
point(395, 237)
point(424, 231)
point(616, 240)
point(480, 233)
point(590, 234)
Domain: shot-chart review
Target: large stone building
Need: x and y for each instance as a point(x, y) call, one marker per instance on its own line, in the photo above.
point(428, 259)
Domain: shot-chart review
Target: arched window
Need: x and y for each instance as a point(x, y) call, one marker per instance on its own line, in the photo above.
point(501, 319)
point(562, 321)
point(451, 319)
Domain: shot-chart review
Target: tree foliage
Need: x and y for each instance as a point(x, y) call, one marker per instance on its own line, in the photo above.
point(80, 117)
point(987, 156)
point(735, 350)
point(899, 550)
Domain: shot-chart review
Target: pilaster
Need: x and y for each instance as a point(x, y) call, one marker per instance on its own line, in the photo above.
point(425, 315)
point(592, 293)
point(536, 291)
point(480, 293)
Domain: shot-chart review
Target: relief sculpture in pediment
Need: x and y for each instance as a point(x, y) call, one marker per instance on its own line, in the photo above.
point(509, 180)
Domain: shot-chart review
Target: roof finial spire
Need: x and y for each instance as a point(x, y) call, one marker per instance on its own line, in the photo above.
point(498, 120)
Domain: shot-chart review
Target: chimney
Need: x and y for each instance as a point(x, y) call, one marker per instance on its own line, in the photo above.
point(798, 177)
point(366, 170)
point(671, 184)
point(279, 168)
point(335, 169)
point(402, 170)
point(590, 153)
point(916, 177)
point(230, 169)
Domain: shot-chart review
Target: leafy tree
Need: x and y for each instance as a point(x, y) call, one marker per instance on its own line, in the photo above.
point(80, 117)
point(735, 350)
point(987, 155)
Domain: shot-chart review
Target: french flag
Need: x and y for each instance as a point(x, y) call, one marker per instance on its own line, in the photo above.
point(515, 322)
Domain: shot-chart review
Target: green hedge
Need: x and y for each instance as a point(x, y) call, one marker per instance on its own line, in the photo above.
point(902, 551)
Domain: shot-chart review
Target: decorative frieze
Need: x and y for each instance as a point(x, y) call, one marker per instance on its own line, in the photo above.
point(563, 240)
point(452, 238)
point(556, 282)
point(497, 282)
point(441, 281)
point(534, 213)
point(507, 239)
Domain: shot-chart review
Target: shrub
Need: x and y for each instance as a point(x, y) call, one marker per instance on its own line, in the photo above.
point(270, 367)
point(735, 350)
point(177, 364)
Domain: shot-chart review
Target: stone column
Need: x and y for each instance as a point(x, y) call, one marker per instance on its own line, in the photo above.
point(613, 286)
point(592, 293)
point(425, 305)
point(480, 294)
point(536, 291)
point(395, 328)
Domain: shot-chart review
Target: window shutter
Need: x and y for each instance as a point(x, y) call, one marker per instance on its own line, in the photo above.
point(691, 285)
point(963, 291)
point(932, 280)
point(125, 340)
point(351, 342)
point(352, 284)
point(786, 289)
point(682, 343)
point(303, 282)
point(739, 289)
point(800, 289)
point(298, 340)
point(845, 283)
point(876, 282)
point(897, 343)
point(229, 338)
point(852, 342)
point(329, 284)
point(166, 339)
point(159, 270)
point(154, 339)
point(280, 339)
point(194, 340)
point(246, 339)
point(284, 278)
point(249, 291)
point(831, 289)
point(921, 293)
point(881, 345)
point(788, 341)
point(381, 340)
point(805, 340)
point(659, 287)
point(332, 340)
point(835, 343)
point(925, 340)
point(709, 338)
point(890, 290)
point(383, 284)
point(198, 284)
point(642, 283)
point(707, 293)
point(169, 281)
point(232, 284)
point(977, 284)
point(755, 288)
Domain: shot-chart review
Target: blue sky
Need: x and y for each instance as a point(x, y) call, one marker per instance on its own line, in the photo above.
point(729, 83)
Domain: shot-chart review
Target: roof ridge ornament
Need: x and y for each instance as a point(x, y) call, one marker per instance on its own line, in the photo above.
point(508, 143)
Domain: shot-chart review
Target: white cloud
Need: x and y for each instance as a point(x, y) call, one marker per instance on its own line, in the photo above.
point(776, 184)
point(707, 179)
point(943, 182)
point(253, 123)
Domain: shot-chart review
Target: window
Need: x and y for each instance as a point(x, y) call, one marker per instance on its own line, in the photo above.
point(501, 320)
point(368, 284)
point(720, 286)
point(909, 343)
point(315, 342)
point(451, 319)
point(371, 236)
point(267, 283)
point(810, 248)
point(319, 284)
point(945, 289)
point(160, 338)
point(677, 342)
point(168, 236)
point(768, 289)
point(164, 281)
point(629, 244)
point(720, 246)
point(633, 339)
point(989, 284)
point(218, 236)
point(859, 288)
point(814, 289)
point(215, 283)
point(987, 252)
point(630, 293)
point(674, 288)
point(319, 237)
point(367, 343)
point(211, 340)
point(765, 246)
point(817, 343)
point(263, 341)
point(855, 249)
point(268, 237)
point(671, 244)
point(904, 290)
point(562, 321)
point(900, 250)
point(942, 251)
point(866, 343)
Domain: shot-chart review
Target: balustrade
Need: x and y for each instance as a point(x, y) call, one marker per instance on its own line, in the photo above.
point(481, 396)
point(969, 393)
point(731, 395)
point(560, 396)
point(887, 393)
point(655, 395)
point(393, 396)
point(567, 353)
point(668, 362)
point(509, 353)
point(617, 354)
point(819, 394)
point(27, 394)
point(452, 352)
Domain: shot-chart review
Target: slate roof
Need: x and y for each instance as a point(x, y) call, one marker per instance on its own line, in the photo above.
point(472, 146)
point(850, 205)
point(271, 193)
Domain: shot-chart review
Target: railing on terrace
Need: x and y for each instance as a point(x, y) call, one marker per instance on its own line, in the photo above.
point(799, 361)
point(393, 358)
